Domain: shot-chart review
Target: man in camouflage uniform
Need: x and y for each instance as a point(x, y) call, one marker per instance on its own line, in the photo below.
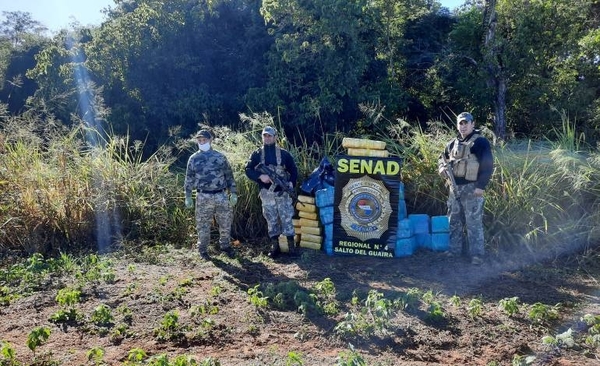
point(470, 157)
point(277, 205)
point(209, 173)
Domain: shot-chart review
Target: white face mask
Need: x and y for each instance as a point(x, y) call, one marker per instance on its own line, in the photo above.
point(204, 147)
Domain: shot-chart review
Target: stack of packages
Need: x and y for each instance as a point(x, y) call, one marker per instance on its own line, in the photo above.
point(422, 231)
point(307, 227)
point(324, 200)
point(406, 242)
point(364, 147)
point(440, 233)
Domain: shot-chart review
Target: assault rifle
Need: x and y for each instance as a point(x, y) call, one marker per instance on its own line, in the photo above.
point(277, 180)
point(446, 168)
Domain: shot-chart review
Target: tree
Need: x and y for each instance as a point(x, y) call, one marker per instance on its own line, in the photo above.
point(18, 26)
point(21, 38)
point(178, 63)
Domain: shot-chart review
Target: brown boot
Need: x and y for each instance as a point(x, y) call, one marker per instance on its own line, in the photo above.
point(274, 252)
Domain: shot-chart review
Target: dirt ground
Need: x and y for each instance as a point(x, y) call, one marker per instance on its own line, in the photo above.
point(218, 320)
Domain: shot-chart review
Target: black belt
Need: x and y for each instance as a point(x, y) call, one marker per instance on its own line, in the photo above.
point(212, 192)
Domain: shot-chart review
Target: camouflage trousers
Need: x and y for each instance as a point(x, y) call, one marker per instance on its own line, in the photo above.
point(209, 206)
point(278, 210)
point(466, 222)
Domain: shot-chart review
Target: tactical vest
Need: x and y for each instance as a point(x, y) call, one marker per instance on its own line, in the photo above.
point(279, 169)
point(464, 164)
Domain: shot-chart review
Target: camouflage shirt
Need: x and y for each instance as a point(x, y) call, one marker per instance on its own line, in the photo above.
point(208, 171)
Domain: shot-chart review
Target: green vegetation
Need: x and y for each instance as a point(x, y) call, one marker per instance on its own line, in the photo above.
point(81, 181)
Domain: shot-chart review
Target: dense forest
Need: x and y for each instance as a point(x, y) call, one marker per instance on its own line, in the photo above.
point(154, 68)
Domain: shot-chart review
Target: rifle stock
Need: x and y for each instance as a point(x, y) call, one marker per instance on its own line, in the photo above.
point(277, 180)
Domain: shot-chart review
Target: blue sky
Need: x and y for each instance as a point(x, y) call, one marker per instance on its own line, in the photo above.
point(57, 14)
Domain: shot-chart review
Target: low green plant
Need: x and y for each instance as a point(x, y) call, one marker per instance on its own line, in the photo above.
point(373, 317)
point(102, 316)
point(7, 296)
point(593, 333)
point(120, 332)
point(9, 356)
point(350, 358)
point(294, 358)
point(96, 355)
point(455, 301)
point(70, 315)
point(135, 356)
point(562, 340)
point(475, 308)
point(216, 291)
point(510, 306)
point(67, 298)
point(130, 289)
point(435, 312)
point(542, 314)
point(519, 360)
point(256, 297)
point(37, 337)
point(409, 300)
point(203, 309)
point(326, 292)
point(209, 361)
point(428, 297)
point(170, 328)
point(126, 313)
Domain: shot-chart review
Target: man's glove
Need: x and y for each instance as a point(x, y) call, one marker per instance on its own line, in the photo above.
point(233, 199)
point(188, 202)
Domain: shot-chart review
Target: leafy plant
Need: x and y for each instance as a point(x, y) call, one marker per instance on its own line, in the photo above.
point(373, 317)
point(564, 339)
point(37, 337)
point(542, 313)
point(135, 356)
point(350, 358)
point(96, 354)
point(170, 328)
point(67, 298)
point(256, 297)
point(435, 312)
point(294, 358)
point(410, 299)
point(8, 354)
point(455, 300)
point(509, 305)
point(102, 315)
point(475, 308)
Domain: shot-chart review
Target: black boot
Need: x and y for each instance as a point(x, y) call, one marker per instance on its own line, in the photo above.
point(291, 246)
point(274, 252)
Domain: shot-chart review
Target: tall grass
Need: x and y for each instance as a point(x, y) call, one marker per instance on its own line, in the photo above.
point(59, 191)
